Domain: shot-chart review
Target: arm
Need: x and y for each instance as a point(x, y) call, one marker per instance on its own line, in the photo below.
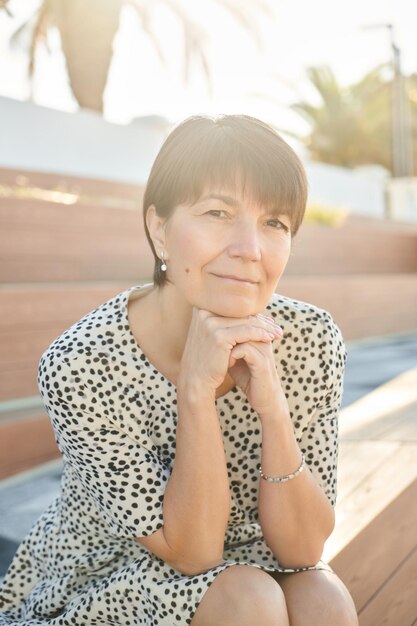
point(296, 516)
point(197, 496)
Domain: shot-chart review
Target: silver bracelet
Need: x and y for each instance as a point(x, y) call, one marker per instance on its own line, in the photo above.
point(284, 479)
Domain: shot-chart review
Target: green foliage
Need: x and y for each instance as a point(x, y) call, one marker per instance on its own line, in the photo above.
point(351, 125)
point(326, 215)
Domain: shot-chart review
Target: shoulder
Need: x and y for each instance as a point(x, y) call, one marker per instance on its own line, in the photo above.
point(103, 327)
point(310, 334)
point(290, 310)
point(290, 314)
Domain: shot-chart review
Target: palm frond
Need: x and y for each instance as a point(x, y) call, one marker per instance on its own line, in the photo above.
point(28, 24)
point(243, 13)
point(143, 13)
point(40, 34)
point(193, 36)
point(3, 5)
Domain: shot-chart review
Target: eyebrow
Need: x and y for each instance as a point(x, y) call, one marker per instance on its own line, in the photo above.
point(233, 202)
point(226, 199)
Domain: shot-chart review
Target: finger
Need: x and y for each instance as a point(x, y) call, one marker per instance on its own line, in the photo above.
point(270, 320)
point(243, 334)
point(259, 319)
point(247, 352)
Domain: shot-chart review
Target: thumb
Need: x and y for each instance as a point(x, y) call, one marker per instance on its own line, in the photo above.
point(239, 352)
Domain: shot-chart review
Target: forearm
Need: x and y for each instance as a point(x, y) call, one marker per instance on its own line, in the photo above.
point(197, 497)
point(296, 516)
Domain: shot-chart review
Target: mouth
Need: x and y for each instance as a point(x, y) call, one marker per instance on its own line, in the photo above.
point(237, 279)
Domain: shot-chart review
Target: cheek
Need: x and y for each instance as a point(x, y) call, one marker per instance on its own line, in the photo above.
point(187, 256)
point(277, 259)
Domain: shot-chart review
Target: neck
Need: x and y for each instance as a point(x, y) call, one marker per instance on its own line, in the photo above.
point(172, 315)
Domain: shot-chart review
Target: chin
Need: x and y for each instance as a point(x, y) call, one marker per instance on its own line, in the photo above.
point(235, 307)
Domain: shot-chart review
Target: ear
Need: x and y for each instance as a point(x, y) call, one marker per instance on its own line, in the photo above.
point(156, 226)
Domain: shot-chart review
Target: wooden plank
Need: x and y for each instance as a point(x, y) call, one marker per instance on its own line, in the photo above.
point(25, 443)
point(396, 603)
point(367, 563)
point(368, 415)
point(357, 460)
point(377, 491)
point(405, 429)
point(76, 184)
point(387, 427)
point(68, 243)
point(31, 317)
point(24, 346)
point(19, 383)
point(77, 215)
point(42, 305)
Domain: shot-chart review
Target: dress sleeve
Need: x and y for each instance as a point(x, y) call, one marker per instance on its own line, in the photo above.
point(125, 480)
point(319, 442)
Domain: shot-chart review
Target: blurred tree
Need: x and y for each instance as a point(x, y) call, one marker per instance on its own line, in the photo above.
point(87, 30)
point(352, 125)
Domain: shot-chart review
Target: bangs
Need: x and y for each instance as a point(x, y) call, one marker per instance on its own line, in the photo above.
point(241, 164)
point(238, 174)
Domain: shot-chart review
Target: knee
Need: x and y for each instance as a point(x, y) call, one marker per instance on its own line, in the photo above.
point(256, 597)
point(340, 607)
point(320, 599)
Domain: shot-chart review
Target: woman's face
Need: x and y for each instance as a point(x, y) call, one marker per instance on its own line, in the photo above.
point(226, 253)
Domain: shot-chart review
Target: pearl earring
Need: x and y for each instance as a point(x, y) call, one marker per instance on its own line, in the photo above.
point(163, 264)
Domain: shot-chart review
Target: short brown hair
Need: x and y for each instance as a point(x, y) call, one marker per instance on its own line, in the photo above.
point(225, 152)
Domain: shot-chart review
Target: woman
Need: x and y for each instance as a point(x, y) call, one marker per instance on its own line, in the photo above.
point(197, 416)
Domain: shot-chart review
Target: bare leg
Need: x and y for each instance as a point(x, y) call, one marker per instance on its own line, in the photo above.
point(242, 596)
point(317, 598)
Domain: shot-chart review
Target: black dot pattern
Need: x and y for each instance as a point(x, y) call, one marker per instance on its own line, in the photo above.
point(114, 417)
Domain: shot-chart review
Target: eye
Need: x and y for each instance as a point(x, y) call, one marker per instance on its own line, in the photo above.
point(217, 213)
point(278, 225)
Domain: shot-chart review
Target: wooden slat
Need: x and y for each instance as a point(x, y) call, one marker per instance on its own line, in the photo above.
point(82, 270)
point(396, 603)
point(44, 242)
point(77, 184)
point(25, 443)
point(356, 463)
point(46, 304)
point(370, 416)
point(388, 426)
point(18, 383)
point(375, 493)
point(405, 428)
point(368, 561)
point(31, 318)
point(19, 347)
point(54, 214)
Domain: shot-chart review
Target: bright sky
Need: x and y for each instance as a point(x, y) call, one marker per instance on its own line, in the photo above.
point(246, 79)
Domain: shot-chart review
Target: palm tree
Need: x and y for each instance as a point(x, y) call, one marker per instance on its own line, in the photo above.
point(87, 30)
point(352, 125)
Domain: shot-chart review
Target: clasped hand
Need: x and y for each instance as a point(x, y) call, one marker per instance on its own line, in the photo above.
point(241, 347)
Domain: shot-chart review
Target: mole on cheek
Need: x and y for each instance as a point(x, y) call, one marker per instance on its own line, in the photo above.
point(187, 270)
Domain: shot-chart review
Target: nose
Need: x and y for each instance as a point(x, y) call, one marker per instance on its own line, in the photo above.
point(245, 241)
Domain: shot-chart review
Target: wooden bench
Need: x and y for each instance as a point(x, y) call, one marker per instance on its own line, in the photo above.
point(374, 545)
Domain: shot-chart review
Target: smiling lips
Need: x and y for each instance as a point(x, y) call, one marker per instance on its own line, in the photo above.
point(237, 278)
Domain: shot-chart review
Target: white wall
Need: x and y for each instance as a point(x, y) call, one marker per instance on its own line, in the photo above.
point(402, 199)
point(83, 143)
point(361, 190)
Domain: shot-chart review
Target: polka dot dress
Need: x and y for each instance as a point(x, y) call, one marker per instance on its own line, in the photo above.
point(114, 417)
